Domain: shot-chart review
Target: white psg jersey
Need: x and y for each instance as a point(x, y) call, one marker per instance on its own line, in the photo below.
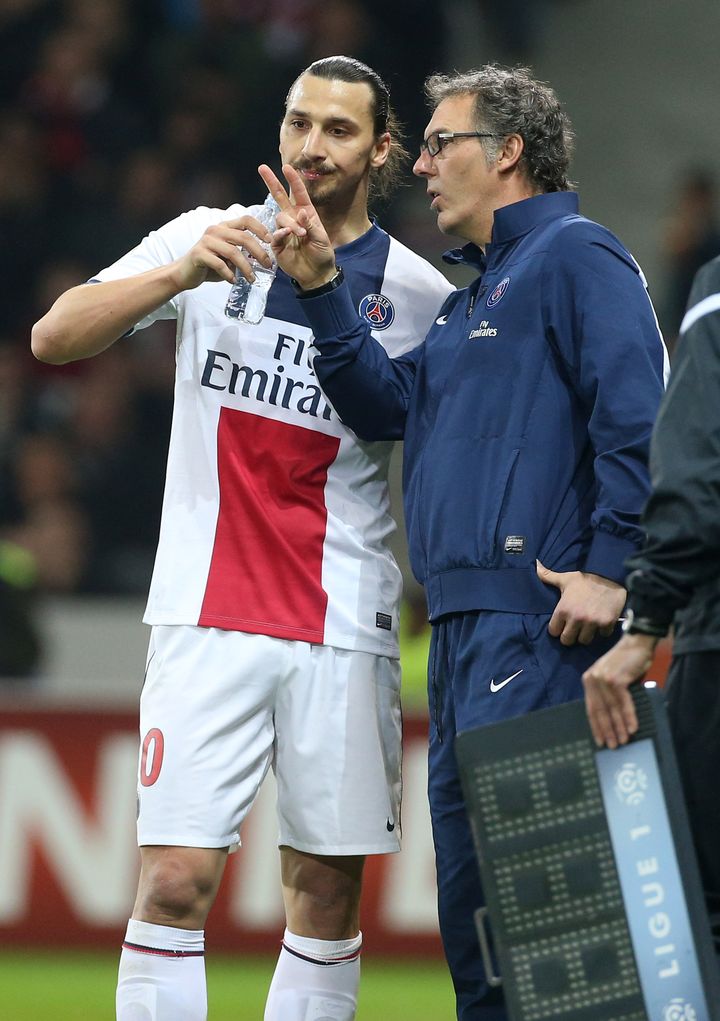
point(275, 516)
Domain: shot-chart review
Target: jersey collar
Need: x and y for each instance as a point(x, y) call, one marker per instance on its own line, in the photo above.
point(521, 217)
point(515, 220)
point(359, 246)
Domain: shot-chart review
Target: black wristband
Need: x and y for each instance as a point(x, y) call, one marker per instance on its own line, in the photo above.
point(633, 625)
point(315, 292)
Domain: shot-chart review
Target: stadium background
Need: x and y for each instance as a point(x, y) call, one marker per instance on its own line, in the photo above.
point(115, 115)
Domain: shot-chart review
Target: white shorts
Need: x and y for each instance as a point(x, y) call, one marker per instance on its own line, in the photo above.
point(218, 708)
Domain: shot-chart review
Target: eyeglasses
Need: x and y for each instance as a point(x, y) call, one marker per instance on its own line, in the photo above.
point(437, 140)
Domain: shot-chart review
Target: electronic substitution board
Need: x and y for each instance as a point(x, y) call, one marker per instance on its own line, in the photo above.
point(590, 877)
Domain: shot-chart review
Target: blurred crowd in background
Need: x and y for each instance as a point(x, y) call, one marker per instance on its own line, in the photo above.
point(115, 116)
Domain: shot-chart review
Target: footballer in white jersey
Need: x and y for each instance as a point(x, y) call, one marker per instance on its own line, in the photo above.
point(275, 516)
point(274, 597)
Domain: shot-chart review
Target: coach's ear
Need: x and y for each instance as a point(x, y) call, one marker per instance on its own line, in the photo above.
point(510, 153)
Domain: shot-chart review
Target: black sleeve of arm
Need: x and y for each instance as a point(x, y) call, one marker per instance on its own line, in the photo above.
point(682, 516)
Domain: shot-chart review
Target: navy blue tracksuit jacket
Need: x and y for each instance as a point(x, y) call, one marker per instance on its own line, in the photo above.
point(527, 415)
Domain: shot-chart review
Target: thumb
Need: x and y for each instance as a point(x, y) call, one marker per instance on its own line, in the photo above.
point(546, 575)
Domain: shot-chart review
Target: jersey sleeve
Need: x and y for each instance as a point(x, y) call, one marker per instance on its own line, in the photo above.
point(682, 519)
point(159, 248)
point(600, 320)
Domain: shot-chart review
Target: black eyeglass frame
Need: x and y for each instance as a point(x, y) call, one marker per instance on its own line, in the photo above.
point(443, 137)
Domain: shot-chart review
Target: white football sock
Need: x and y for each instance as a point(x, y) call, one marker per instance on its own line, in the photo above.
point(162, 974)
point(315, 980)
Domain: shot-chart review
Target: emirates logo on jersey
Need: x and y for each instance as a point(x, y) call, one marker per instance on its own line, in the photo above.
point(377, 311)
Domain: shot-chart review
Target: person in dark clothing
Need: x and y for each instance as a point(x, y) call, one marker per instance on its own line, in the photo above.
point(674, 579)
point(526, 417)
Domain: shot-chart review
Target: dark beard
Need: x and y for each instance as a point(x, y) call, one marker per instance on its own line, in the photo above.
point(322, 198)
point(319, 194)
point(331, 190)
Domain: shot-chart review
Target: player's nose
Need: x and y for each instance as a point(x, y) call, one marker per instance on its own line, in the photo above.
point(314, 147)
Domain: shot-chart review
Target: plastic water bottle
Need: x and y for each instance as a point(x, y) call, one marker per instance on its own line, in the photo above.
point(247, 301)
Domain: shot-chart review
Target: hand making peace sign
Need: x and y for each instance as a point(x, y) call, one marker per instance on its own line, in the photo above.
point(300, 244)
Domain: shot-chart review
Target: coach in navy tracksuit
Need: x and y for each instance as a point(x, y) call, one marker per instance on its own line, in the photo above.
point(526, 416)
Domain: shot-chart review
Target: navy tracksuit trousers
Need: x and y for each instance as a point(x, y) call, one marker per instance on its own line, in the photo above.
point(483, 667)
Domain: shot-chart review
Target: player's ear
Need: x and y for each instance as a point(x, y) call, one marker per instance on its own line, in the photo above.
point(381, 150)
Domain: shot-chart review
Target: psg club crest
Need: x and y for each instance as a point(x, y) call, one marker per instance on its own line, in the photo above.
point(497, 294)
point(377, 311)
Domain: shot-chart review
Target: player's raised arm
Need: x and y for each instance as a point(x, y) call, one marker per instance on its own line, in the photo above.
point(88, 319)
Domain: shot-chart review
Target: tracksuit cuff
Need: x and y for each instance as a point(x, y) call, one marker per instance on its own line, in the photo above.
point(331, 314)
point(607, 556)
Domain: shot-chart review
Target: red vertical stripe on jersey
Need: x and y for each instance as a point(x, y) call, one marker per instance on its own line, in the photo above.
point(266, 569)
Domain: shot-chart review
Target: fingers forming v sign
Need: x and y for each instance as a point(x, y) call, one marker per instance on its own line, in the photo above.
point(300, 244)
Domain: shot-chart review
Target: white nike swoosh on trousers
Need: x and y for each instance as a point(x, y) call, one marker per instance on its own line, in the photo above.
point(501, 684)
point(441, 320)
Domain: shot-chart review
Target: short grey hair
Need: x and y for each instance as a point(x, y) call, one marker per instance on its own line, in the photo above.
point(510, 101)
